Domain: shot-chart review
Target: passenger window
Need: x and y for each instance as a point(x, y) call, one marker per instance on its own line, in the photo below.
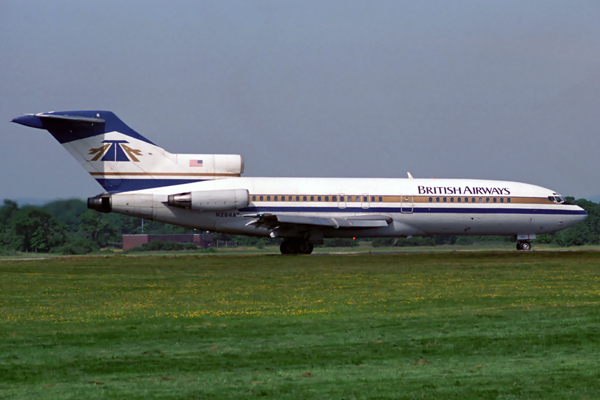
point(304, 198)
point(451, 199)
point(458, 199)
point(268, 198)
point(297, 198)
point(341, 198)
point(501, 199)
point(253, 198)
point(261, 198)
point(480, 200)
point(431, 199)
point(508, 200)
point(495, 200)
point(275, 199)
point(445, 199)
point(487, 199)
point(319, 198)
point(333, 198)
point(437, 199)
point(380, 199)
point(326, 198)
point(466, 199)
point(365, 199)
point(312, 198)
point(473, 200)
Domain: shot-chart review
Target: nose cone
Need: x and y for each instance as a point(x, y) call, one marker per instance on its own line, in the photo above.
point(29, 120)
point(576, 215)
point(582, 214)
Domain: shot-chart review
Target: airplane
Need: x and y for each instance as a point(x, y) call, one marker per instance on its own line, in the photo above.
point(207, 192)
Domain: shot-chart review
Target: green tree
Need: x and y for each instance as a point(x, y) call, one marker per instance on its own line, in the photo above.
point(96, 228)
point(35, 230)
point(7, 211)
point(67, 212)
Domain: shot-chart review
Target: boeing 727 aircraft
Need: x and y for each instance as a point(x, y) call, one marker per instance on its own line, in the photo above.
point(206, 191)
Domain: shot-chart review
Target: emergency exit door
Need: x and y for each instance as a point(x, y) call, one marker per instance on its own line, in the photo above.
point(406, 204)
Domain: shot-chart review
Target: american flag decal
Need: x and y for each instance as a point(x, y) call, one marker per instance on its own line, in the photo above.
point(195, 163)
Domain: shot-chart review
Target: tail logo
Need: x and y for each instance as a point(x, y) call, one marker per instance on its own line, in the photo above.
point(115, 150)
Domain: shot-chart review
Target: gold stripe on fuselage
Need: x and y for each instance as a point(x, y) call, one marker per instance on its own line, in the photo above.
point(375, 199)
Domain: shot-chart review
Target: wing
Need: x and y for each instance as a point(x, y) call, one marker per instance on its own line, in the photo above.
point(280, 222)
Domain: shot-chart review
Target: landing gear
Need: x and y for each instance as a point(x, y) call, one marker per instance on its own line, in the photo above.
point(305, 247)
point(296, 246)
point(289, 246)
point(524, 246)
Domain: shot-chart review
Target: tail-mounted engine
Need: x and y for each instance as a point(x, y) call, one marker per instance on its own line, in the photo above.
point(211, 200)
point(101, 203)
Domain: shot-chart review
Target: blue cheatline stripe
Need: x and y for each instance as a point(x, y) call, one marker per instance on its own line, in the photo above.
point(416, 210)
point(127, 185)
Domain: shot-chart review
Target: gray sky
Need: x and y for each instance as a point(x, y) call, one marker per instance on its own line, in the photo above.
point(504, 90)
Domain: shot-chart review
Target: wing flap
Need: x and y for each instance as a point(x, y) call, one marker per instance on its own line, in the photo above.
point(272, 221)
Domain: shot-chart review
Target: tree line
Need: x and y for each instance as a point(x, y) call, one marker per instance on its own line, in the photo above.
point(68, 227)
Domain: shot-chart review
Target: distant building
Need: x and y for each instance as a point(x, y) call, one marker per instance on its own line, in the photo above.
point(130, 241)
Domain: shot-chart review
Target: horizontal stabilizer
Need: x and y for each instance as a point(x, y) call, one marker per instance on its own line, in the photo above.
point(69, 126)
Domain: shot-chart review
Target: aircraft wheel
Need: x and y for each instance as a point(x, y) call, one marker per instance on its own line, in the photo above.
point(289, 246)
point(525, 246)
point(305, 248)
point(519, 246)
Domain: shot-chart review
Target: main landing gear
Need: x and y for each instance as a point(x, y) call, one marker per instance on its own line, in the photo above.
point(296, 246)
point(525, 246)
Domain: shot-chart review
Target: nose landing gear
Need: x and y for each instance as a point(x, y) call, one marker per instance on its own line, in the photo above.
point(524, 246)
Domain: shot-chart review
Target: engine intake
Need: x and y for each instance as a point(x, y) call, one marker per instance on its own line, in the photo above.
point(211, 200)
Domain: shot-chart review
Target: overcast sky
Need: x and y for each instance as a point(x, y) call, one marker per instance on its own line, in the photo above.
point(505, 90)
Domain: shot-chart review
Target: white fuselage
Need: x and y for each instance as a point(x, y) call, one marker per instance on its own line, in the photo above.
point(416, 206)
point(205, 191)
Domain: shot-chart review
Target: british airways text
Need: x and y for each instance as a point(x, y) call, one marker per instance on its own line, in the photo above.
point(466, 190)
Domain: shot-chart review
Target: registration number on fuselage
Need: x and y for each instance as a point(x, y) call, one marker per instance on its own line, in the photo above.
point(227, 214)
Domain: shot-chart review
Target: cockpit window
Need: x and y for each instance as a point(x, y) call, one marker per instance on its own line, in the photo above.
point(557, 199)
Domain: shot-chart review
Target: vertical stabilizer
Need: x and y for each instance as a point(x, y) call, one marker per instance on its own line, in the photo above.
point(121, 159)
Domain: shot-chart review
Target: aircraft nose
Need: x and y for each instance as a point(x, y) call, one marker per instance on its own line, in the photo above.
point(582, 214)
point(29, 120)
point(574, 216)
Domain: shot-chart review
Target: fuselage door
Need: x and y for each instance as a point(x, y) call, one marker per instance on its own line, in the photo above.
point(406, 205)
point(364, 200)
point(342, 201)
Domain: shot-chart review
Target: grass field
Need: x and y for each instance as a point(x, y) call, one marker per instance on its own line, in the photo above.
point(487, 325)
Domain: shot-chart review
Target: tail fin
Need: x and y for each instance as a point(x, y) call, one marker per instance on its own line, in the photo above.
point(121, 159)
